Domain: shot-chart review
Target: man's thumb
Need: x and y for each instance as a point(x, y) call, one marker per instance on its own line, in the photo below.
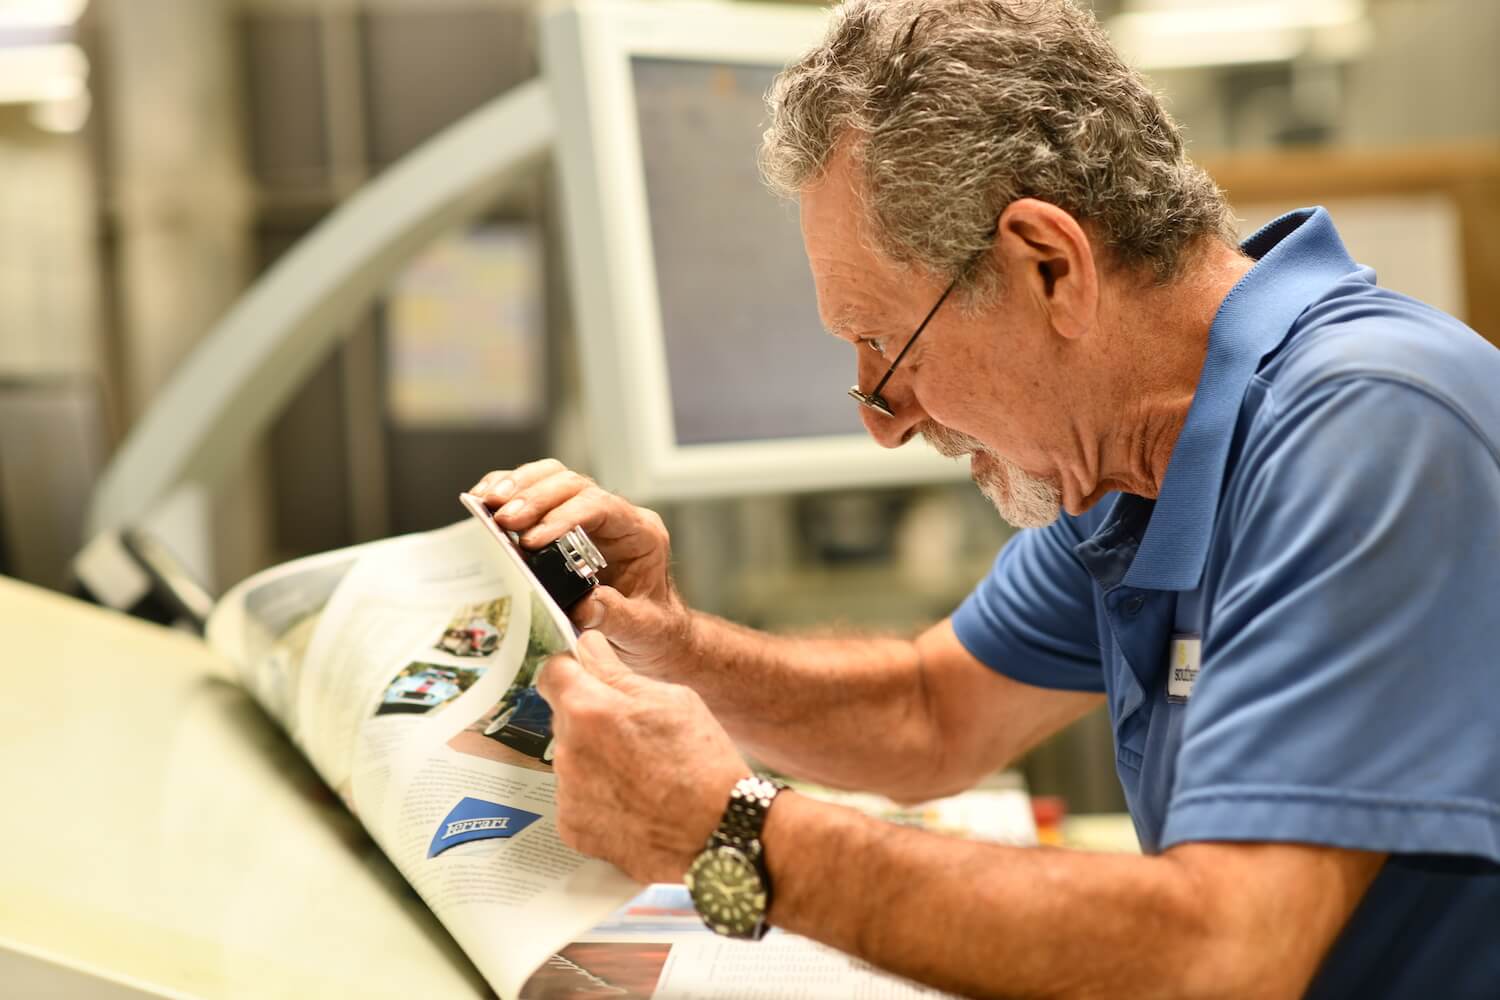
point(611, 612)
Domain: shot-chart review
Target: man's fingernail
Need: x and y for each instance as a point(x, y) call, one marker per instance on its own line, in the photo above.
point(512, 508)
point(591, 615)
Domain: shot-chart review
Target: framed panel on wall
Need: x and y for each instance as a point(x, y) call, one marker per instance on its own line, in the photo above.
point(1427, 219)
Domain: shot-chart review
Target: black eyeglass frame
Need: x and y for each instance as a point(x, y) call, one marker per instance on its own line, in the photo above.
point(873, 399)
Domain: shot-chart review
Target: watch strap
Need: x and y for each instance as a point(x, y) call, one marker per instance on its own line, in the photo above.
point(745, 816)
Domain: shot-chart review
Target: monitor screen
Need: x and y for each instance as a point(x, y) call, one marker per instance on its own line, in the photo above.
point(747, 358)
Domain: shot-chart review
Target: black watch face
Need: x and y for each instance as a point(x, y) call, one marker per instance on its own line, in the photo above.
point(727, 891)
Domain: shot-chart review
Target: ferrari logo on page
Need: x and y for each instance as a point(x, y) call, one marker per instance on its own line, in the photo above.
point(476, 819)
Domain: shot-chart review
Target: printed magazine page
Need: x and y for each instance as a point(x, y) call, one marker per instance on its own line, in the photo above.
point(406, 673)
point(420, 708)
point(657, 948)
point(264, 625)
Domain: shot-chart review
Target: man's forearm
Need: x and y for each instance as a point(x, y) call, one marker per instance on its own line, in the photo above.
point(985, 920)
point(846, 712)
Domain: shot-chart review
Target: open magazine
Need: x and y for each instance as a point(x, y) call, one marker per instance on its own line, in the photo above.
point(405, 670)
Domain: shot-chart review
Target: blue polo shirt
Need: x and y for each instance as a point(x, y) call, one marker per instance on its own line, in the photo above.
point(1326, 551)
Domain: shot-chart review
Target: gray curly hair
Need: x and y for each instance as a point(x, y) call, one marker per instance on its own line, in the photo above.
point(955, 108)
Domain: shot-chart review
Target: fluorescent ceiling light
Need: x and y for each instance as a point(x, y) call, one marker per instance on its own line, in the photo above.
point(42, 73)
point(1168, 34)
point(40, 13)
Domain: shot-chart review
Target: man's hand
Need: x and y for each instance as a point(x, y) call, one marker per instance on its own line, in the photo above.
point(643, 769)
point(636, 605)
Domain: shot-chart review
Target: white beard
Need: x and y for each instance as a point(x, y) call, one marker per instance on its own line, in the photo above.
point(1022, 499)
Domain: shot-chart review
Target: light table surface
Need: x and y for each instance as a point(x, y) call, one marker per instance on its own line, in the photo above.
point(159, 836)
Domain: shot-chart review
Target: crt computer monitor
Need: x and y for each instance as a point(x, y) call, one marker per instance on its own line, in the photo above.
point(706, 368)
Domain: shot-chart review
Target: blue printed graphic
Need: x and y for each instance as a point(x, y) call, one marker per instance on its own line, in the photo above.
point(476, 819)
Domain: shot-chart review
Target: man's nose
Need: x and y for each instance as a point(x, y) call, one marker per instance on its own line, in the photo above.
point(896, 430)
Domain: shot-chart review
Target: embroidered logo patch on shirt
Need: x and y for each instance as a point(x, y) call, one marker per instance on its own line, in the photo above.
point(1182, 670)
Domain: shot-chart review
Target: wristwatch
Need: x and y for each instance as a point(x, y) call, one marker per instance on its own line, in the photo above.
point(728, 880)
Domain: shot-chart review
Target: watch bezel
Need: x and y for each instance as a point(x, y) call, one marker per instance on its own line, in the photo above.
point(700, 887)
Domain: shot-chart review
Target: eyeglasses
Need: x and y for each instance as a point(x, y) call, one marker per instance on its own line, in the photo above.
point(873, 399)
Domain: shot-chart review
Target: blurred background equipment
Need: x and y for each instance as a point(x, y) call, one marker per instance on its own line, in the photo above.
point(53, 379)
point(635, 304)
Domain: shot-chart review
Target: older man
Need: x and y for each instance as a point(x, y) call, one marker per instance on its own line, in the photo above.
point(1279, 564)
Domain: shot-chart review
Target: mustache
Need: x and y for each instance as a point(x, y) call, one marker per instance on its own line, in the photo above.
point(948, 442)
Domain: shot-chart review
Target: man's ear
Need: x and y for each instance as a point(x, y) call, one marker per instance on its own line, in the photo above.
point(1047, 255)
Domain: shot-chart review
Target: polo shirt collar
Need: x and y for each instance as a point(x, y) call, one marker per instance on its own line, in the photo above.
point(1298, 257)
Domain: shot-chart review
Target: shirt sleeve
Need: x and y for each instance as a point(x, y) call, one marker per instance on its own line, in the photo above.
point(1350, 685)
point(1032, 617)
